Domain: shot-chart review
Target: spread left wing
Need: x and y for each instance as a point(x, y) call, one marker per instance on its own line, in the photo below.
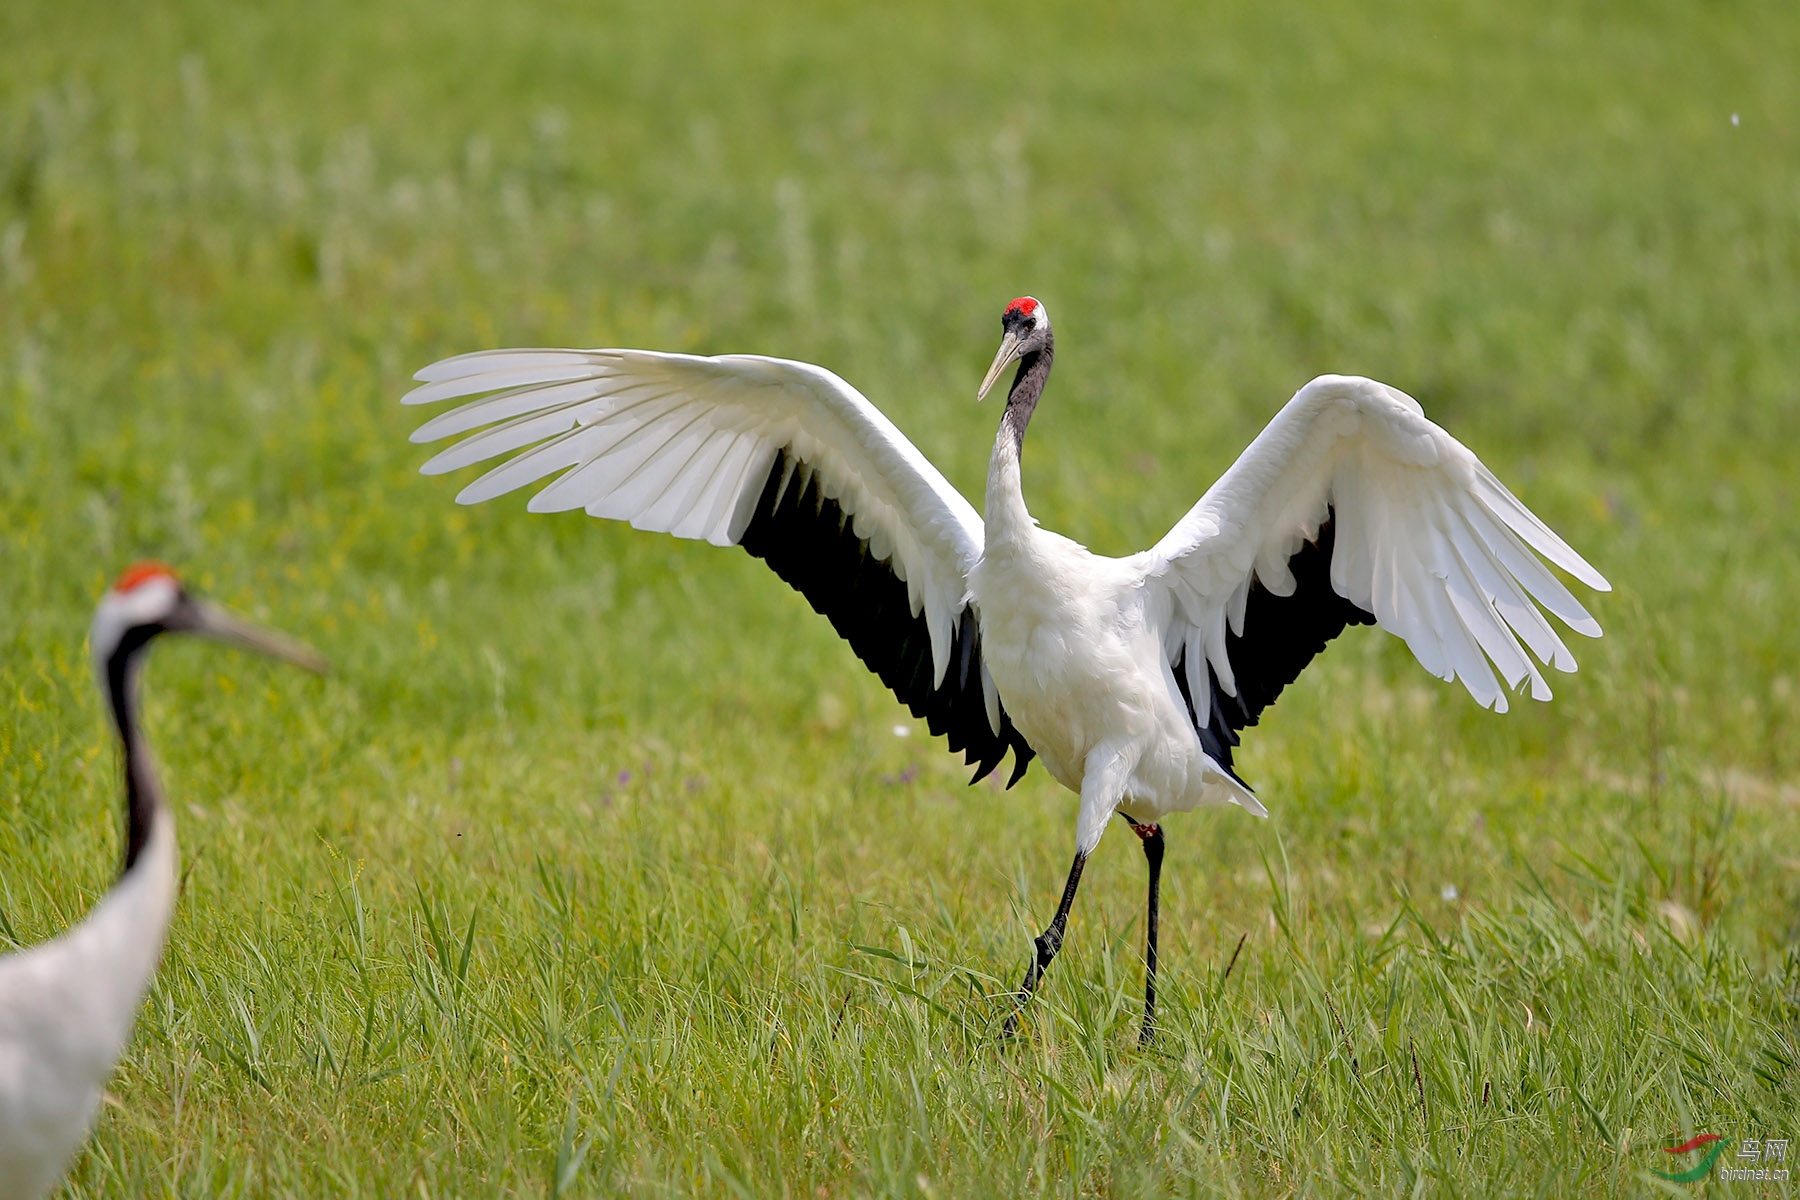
point(1352, 508)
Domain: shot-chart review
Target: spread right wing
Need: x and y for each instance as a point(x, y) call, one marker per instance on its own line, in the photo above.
point(782, 458)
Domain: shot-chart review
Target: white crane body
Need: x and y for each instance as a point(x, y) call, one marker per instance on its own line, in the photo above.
point(1077, 658)
point(67, 1009)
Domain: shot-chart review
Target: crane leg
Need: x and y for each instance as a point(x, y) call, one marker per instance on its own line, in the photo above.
point(1152, 836)
point(1047, 943)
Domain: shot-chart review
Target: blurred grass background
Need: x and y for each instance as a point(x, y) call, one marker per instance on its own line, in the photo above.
point(599, 869)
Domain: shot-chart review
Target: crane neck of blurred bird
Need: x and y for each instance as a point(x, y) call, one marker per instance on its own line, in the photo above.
point(145, 813)
point(1006, 513)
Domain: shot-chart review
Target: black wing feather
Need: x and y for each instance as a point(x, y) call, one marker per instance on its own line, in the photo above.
point(1281, 635)
point(806, 537)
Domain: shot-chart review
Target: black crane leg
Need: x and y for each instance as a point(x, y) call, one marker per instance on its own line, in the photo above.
point(1152, 836)
point(1047, 943)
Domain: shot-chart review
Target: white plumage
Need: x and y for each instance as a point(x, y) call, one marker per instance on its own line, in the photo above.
point(675, 443)
point(67, 1006)
point(1427, 540)
point(1130, 677)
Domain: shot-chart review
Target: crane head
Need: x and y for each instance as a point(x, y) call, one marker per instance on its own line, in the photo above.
point(1024, 328)
point(149, 600)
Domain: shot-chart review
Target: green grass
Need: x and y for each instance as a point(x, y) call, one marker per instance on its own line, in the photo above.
point(597, 868)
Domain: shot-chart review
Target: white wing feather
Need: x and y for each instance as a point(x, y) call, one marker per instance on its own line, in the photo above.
point(682, 444)
point(1426, 539)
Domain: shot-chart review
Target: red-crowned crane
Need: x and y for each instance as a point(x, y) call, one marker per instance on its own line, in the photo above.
point(67, 1006)
point(1129, 677)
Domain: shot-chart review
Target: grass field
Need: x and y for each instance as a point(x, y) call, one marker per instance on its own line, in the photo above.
point(598, 867)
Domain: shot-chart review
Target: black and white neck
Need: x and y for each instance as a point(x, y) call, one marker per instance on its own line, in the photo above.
point(1026, 339)
point(143, 794)
point(1027, 386)
point(130, 617)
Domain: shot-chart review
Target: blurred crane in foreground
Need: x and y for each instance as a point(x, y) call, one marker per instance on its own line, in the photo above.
point(1129, 677)
point(67, 1006)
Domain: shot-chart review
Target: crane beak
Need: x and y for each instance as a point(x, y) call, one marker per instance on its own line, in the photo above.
point(215, 622)
point(1007, 355)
